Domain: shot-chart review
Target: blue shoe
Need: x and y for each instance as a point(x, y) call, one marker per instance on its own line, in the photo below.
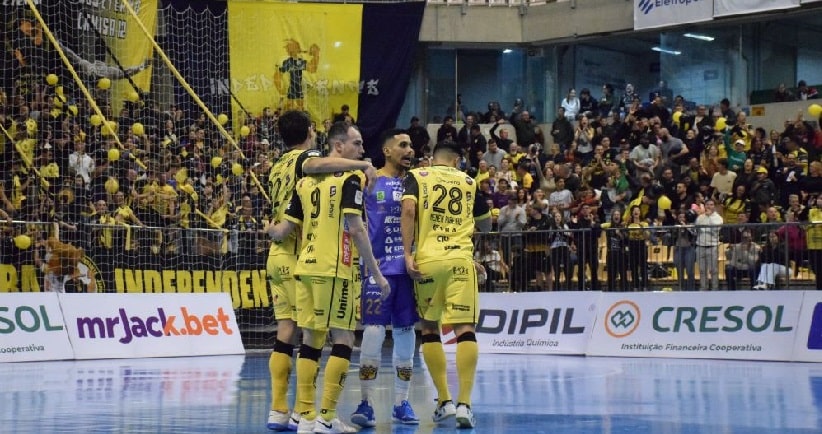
point(403, 413)
point(364, 415)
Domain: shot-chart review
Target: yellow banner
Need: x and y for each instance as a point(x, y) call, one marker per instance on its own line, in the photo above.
point(129, 46)
point(294, 56)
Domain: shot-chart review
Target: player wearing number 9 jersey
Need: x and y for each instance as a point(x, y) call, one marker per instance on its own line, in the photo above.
point(328, 208)
point(439, 214)
point(298, 161)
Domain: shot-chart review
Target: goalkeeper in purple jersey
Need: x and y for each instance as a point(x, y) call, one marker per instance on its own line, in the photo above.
point(382, 215)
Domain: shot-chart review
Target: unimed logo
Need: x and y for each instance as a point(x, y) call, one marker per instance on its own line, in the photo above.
point(622, 318)
point(815, 333)
point(126, 328)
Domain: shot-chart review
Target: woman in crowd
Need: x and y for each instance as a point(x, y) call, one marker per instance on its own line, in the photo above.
point(638, 257)
point(536, 247)
point(490, 258)
point(616, 258)
point(558, 239)
point(773, 262)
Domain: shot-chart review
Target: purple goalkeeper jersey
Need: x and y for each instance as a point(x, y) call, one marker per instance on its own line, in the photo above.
point(382, 214)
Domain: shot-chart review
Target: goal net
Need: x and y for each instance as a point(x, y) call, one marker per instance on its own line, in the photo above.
point(145, 158)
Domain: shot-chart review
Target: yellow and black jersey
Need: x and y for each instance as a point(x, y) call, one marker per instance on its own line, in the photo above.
point(282, 179)
point(319, 204)
point(447, 208)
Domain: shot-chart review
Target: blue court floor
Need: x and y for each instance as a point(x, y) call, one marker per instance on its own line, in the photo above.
point(513, 394)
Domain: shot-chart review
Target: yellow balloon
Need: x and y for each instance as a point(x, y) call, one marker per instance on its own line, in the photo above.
point(138, 129)
point(95, 120)
point(72, 109)
point(55, 112)
point(59, 100)
point(52, 79)
point(222, 118)
point(22, 242)
point(59, 91)
point(103, 83)
point(181, 177)
point(133, 96)
point(113, 154)
point(110, 128)
point(112, 186)
point(815, 110)
point(237, 169)
point(219, 179)
point(244, 131)
point(31, 126)
point(721, 123)
point(216, 162)
point(676, 116)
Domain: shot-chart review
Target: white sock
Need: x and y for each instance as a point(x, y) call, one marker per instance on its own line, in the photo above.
point(373, 337)
point(405, 341)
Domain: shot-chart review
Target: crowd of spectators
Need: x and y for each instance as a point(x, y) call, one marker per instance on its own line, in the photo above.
point(653, 163)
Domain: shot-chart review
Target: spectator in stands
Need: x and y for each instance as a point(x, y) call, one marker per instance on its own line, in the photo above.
point(494, 155)
point(638, 235)
point(562, 130)
point(584, 140)
point(464, 136)
point(420, 140)
point(616, 258)
point(723, 181)
point(628, 97)
point(502, 140)
point(794, 237)
point(773, 262)
point(707, 246)
point(571, 105)
point(588, 106)
point(447, 130)
point(741, 260)
point(606, 102)
point(489, 257)
point(536, 249)
point(812, 184)
point(813, 236)
point(783, 94)
point(477, 145)
point(803, 92)
point(587, 232)
point(559, 240)
point(525, 127)
point(684, 237)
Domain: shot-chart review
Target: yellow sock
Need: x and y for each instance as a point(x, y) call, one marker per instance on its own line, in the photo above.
point(307, 370)
point(434, 356)
point(336, 370)
point(467, 355)
point(279, 366)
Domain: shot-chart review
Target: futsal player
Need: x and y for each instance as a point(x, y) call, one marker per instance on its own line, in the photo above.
point(439, 210)
point(382, 211)
point(328, 208)
point(295, 130)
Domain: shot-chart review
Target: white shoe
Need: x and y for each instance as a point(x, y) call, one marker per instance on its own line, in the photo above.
point(333, 426)
point(305, 426)
point(294, 421)
point(444, 411)
point(465, 417)
point(760, 285)
point(278, 421)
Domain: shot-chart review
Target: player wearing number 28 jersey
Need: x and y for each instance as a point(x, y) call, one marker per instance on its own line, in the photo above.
point(439, 210)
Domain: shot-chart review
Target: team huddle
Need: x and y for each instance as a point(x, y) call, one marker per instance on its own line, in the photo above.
point(379, 247)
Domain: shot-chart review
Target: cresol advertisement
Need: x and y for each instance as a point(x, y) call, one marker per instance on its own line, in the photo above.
point(522, 323)
point(723, 325)
point(31, 328)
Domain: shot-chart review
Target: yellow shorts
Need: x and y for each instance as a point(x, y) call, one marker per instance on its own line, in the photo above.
point(278, 269)
point(449, 291)
point(325, 303)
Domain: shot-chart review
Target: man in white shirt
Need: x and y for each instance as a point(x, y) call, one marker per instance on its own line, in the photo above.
point(708, 226)
point(561, 198)
point(81, 162)
point(723, 180)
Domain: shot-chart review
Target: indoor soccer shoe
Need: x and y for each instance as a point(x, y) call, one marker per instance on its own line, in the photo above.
point(444, 411)
point(403, 413)
point(364, 415)
point(333, 426)
point(279, 421)
point(465, 417)
point(294, 421)
point(305, 426)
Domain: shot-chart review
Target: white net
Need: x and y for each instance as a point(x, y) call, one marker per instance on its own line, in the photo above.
point(112, 152)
